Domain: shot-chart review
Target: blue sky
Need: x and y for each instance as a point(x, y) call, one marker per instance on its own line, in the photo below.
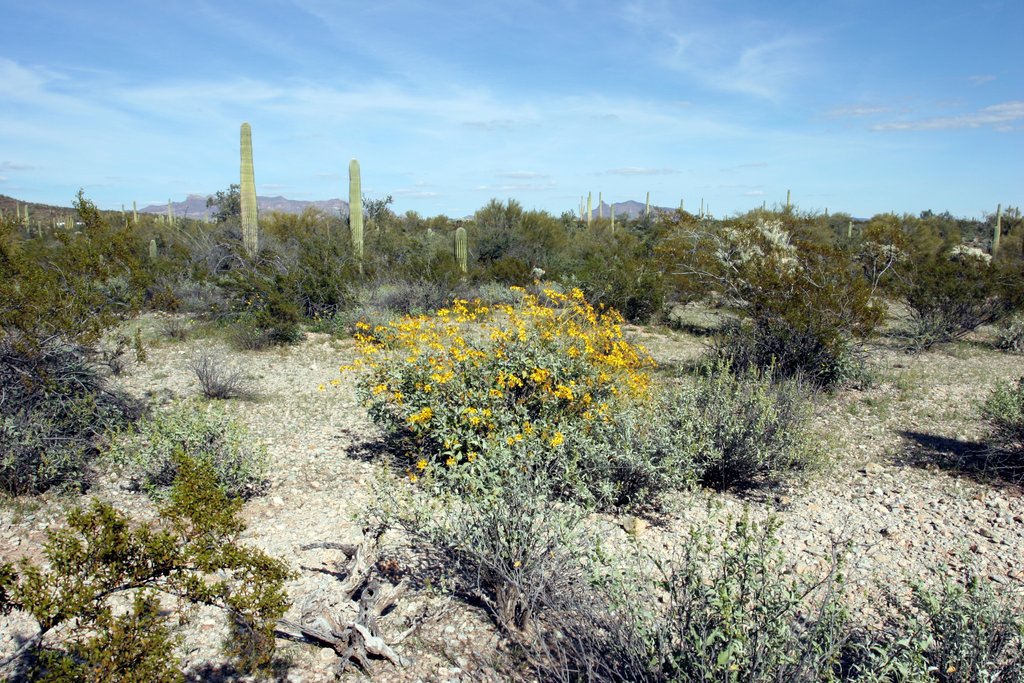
point(855, 105)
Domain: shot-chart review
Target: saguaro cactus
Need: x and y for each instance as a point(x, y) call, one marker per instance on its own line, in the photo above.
point(600, 205)
point(152, 250)
point(998, 232)
point(462, 249)
point(613, 218)
point(647, 206)
point(590, 209)
point(250, 220)
point(135, 213)
point(355, 210)
point(170, 212)
point(789, 205)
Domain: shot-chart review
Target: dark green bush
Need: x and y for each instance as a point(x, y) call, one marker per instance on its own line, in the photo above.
point(55, 409)
point(952, 294)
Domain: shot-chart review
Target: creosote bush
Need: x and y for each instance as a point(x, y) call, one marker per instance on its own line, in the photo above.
point(204, 433)
point(191, 555)
point(950, 296)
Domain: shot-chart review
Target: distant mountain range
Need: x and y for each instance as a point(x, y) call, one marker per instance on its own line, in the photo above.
point(630, 209)
point(194, 206)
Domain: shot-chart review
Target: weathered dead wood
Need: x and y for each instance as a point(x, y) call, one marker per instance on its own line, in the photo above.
point(353, 631)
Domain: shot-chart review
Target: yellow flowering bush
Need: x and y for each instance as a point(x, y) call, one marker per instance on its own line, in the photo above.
point(470, 381)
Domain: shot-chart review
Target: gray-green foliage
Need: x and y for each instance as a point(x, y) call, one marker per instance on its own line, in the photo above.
point(743, 428)
point(205, 433)
point(1003, 410)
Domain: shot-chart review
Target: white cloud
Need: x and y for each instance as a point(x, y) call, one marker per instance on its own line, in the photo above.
point(856, 110)
point(998, 116)
point(639, 171)
point(981, 79)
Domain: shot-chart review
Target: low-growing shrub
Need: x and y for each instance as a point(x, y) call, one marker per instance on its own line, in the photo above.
point(192, 555)
point(1003, 410)
point(743, 428)
point(450, 386)
point(218, 378)
point(1010, 333)
point(207, 435)
point(55, 410)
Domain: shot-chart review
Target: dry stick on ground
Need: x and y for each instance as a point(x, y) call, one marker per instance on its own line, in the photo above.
point(353, 639)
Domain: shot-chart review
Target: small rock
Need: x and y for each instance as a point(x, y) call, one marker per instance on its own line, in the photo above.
point(635, 526)
point(277, 501)
point(327, 655)
point(986, 533)
point(872, 468)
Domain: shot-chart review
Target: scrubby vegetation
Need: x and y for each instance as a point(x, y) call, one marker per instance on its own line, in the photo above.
point(193, 555)
point(515, 406)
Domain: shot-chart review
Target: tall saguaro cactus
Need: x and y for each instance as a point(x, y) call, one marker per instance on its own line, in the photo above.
point(998, 232)
point(135, 213)
point(462, 249)
point(355, 210)
point(170, 212)
point(647, 206)
point(789, 205)
point(250, 224)
point(613, 218)
point(590, 209)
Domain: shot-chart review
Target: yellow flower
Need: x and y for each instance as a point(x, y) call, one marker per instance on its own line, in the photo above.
point(471, 456)
point(421, 416)
point(412, 477)
point(450, 461)
point(421, 464)
point(557, 440)
point(539, 375)
point(321, 387)
point(564, 392)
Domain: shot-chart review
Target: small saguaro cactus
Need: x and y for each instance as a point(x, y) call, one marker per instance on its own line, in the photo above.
point(789, 204)
point(355, 210)
point(135, 213)
point(462, 249)
point(998, 231)
point(170, 212)
point(613, 218)
point(152, 250)
point(849, 230)
point(647, 206)
point(590, 209)
point(250, 219)
point(600, 205)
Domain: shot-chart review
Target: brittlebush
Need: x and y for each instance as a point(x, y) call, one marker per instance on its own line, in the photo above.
point(460, 386)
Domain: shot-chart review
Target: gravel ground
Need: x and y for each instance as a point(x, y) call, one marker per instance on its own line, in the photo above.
point(903, 518)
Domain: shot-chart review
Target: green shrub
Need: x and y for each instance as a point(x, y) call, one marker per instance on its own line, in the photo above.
point(803, 304)
point(950, 296)
point(721, 608)
point(55, 410)
point(1011, 334)
point(207, 435)
point(959, 632)
point(513, 548)
point(447, 388)
point(1004, 413)
point(192, 555)
point(742, 428)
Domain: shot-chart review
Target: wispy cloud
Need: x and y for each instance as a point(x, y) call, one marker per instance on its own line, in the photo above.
point(981, 79)
point(15, 166)
point(638, 170)
point(516, 187)
point(1001, 116)
point(521, 175)
point(857, 111)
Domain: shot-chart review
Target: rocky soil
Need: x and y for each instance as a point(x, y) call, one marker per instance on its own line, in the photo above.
point(891, 489)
